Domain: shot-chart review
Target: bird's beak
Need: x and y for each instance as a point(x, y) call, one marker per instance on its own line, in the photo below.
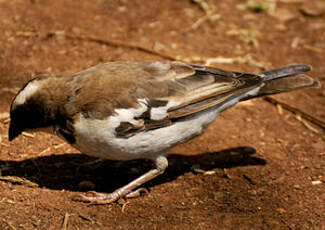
point(14, 131)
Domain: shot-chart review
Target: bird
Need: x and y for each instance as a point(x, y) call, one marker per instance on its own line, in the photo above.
point(139, 110)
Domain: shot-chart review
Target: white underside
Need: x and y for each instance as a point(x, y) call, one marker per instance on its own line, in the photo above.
point(97, 137)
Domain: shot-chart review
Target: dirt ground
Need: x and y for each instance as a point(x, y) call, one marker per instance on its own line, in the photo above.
point(216, 181)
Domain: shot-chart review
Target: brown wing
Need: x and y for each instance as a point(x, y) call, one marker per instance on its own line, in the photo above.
point(184, 90)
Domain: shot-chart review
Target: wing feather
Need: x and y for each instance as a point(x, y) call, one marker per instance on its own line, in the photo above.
point(190, 90)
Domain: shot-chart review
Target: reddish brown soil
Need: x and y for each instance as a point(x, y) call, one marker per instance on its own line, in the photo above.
point(281, 186)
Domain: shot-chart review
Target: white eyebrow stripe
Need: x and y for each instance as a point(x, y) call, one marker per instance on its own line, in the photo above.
point(27, 92)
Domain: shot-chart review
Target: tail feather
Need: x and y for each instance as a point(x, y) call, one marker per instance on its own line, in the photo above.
point(285, 84)
point(285, 79)
point(285, 71)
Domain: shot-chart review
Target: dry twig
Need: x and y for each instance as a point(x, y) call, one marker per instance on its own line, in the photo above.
point(306, 124)
point(44, 151)
point(124, 206)
point(209, 10)
point(85, 217)
point(59, 145)
point(28, 134)
point(9, 224)
point(65, 221)
point(294, 110)
point(246, 59)
point(314, 48)
point(18, 180)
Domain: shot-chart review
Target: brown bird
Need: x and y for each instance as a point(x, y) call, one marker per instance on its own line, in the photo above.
point(139, 110)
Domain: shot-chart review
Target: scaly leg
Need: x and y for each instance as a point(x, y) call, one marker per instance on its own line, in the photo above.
point(127, 190)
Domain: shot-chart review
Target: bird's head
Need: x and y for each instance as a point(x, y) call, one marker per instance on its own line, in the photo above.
point(29, 109)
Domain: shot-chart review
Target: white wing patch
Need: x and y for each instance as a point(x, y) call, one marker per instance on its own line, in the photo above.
point(160, 113)
point(128, 115)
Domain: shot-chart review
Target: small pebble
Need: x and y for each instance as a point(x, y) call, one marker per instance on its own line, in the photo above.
point(316, 182)
point(296, 186)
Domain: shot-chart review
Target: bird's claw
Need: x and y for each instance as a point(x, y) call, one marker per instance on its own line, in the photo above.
point(93, 197)
point(136, 193)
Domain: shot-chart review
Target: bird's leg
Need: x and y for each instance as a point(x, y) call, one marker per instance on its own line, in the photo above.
point(161, 164)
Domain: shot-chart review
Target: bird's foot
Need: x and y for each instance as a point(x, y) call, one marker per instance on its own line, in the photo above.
point(126, 191)
point(93, 197)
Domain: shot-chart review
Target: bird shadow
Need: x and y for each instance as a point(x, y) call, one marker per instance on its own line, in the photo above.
point(74, 172)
